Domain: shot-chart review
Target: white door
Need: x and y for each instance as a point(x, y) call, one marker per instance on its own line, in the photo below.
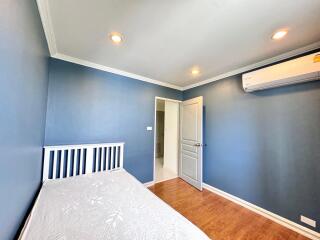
point(171, 136)
point(191, 141)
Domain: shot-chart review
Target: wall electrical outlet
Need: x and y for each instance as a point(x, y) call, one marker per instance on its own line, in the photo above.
point(149, 128)
point(308, 221)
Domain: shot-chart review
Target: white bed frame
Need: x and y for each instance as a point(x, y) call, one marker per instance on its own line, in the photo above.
point(71, 160)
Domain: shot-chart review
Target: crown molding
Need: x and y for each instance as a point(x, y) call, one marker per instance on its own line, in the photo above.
point(263, 63)
point(43, 7)
point(44, 10)
point(113, 70)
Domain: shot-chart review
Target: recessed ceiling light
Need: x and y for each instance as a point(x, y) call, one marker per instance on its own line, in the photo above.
point(116, 37)
point(195, 71)
point(279, 34)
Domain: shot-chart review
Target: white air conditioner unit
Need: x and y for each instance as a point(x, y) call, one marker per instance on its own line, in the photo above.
point(298, 70)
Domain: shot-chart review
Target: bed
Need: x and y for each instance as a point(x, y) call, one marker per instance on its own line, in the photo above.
point(86, 194)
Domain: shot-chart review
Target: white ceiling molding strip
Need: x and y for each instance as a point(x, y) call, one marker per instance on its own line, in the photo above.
point(113, 70)
point(43, 6)
point(263, 63)
point(44, 10)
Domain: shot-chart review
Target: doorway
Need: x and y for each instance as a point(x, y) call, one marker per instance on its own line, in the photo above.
point(166, 159)
point(178, 140)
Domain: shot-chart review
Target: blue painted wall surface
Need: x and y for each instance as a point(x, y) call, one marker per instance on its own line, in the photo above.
point(88, 106)
point(264, 147)
point(23, 95)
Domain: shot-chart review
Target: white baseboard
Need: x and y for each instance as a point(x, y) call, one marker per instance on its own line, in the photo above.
point(274, 217)
point(148, 184)
point(167, 179)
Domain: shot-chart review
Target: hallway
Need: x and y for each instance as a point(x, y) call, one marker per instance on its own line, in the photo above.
point(163, 174)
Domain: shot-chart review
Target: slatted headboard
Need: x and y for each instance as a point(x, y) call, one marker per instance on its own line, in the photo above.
point(71, 160)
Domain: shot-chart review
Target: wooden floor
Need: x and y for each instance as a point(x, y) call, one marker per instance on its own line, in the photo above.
point(218, 217)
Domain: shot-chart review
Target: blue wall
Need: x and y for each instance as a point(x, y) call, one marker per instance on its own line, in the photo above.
point(23, 94)
point(87, 105)
point(264, 147)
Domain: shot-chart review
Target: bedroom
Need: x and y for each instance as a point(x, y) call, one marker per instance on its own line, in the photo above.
point(89, 72)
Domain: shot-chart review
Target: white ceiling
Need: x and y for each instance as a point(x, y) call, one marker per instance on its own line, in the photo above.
point(163, 40)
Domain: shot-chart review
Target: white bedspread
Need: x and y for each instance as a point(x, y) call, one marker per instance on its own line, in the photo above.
point(104, 206)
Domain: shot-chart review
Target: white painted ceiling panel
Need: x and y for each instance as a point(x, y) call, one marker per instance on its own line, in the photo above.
point(163, 40)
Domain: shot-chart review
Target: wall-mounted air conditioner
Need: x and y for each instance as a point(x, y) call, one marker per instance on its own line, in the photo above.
point(298, 70)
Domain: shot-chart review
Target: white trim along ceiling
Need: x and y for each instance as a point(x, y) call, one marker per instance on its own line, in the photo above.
point(43, 6)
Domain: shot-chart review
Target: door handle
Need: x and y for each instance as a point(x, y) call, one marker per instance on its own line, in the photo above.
point(198, 145)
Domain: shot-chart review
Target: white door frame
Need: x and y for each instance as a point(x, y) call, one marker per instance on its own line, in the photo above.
point(155, 132)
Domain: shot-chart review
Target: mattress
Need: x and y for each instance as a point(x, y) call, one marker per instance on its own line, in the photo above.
point(104, 205)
